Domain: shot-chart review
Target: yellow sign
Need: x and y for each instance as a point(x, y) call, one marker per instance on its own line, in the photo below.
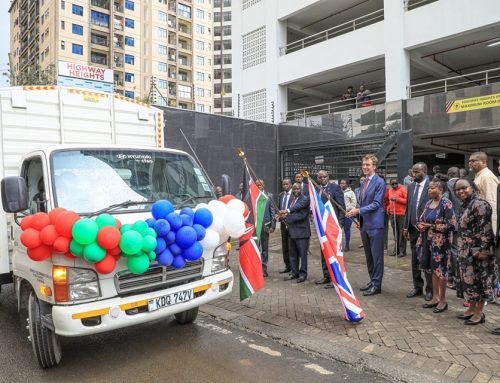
point(473, 103)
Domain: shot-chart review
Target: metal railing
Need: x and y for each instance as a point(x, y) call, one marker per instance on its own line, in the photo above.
point(456, 82)
point(412, 4)
point(338, 30)
point(331, 107)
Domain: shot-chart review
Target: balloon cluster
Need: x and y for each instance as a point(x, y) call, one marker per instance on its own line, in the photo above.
point(137, 243)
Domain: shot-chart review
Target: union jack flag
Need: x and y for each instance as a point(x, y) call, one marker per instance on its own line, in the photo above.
point(330, 238)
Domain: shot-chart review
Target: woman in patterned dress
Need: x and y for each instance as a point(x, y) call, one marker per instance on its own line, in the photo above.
point(436, 226)
point(476, 261)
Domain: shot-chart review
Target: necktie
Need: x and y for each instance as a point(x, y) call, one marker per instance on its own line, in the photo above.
point(414, 206)
point(293, 202)
point(285, 201)
point(365, 186)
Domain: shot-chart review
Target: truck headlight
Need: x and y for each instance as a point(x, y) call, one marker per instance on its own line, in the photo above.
point(220, 259)
point(73, 284)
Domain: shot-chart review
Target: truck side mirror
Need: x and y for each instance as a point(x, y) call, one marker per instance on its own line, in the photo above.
point(14, 194)
point(226, 181)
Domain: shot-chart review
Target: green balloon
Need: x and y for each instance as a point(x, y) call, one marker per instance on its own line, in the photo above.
point(94, 253)
point(75, 248)
point(138, 265)
point(152, 255)
point(151, 231)
point(85, 231)
point(131, 242)
point(105, 219)
point(148, 243)
point(141, 227)
point(125, 228)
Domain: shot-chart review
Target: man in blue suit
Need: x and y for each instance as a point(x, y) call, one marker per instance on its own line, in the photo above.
point(371, 217)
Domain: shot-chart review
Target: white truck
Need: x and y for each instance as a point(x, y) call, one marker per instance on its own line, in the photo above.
point(88, 151)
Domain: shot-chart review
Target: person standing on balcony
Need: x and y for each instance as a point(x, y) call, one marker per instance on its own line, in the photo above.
point(349, 97)
point(363, 97)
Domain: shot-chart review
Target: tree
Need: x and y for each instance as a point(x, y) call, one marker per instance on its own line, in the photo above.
point(34, 75)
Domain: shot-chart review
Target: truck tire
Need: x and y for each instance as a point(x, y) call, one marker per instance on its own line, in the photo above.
point(187, 316)
point(44, 341)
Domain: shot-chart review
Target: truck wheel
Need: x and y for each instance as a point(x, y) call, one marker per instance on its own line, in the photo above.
point(187, 316)
point(45, 342)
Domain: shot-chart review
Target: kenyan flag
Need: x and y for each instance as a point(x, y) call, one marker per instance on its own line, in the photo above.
point(259, 201)
point(251, 275)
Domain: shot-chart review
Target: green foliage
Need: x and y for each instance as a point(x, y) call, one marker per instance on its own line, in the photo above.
point(33, 75)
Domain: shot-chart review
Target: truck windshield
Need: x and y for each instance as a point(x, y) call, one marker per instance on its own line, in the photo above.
point(89, 180)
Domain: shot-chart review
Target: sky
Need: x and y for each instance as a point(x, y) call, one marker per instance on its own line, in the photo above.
point(4, 39)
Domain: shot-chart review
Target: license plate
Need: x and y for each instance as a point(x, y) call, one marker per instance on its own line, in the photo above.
point(170, 300)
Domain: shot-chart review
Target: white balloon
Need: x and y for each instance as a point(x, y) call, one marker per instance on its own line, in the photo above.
point(218, 208)
point(234, 224)
point(217, 224)
point(200, 205)
point(237, 206)
point(211, 240)
point(224, 237)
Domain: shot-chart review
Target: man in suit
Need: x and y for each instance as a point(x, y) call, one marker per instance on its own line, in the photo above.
point(284, 200)
point(330, 190)
point(371, 219)
point(417, 198)
point(299, 230)
point(268, 226)
point(304, 187)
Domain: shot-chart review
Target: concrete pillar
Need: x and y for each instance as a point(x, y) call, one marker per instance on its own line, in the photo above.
point(397, 59)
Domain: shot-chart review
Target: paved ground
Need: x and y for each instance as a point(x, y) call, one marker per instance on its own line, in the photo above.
point(396, 333)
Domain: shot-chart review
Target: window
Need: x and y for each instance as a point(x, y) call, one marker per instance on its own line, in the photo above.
point(162, 49)
point(129, 5)
point(225, 3)
point(129, 94)
point(226, 15)
point(226, 30)
point(129, 77)
point(129, 41)
point(200, 60)
point(162, 84)
point(227, 59)
point(200, 13)
point(162, 67)
point(227, 45)
point(200, 107)
point(98, 58)
point(162, 16)
point(162, 33)
point(184, 91)
point(63, 5)
point(200, 28)
point(77, 49)
point(184, 11)
point(129, 23)
point(63, 24)
point(63, 44)
point(200, 45)
point(77, 10)
point(200, 92)
point(99, 19)
point(200, 76)
point(77, 29)
point(129, 59)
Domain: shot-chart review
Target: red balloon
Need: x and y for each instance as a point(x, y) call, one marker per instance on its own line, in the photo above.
point(226, 198)
point(65, 222)
point(108, 237)
point(26, 222)
point(54, 213)
point(48, 235)
point(106, 266)
point(31, 238)
point(246, 213)
point(118, 223)
point(40, 220)
point(69, 255)
point(61, 245)
point(115, 251)
point(40, 253)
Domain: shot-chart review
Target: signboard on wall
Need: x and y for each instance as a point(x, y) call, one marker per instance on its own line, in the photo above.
point(473, 103)
point(84, 76)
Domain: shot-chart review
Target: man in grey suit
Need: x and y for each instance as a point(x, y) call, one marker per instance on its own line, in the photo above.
point(268, 226)
point(417, 198)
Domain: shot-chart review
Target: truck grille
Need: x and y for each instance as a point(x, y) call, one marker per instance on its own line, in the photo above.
point(157, 278)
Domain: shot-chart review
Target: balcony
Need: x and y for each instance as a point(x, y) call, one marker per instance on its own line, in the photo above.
point(412, 4)
point(184, 61)
point(99, 40)
point(118, 7)
point(98, 58)
point(184, 45)
point(104, 4)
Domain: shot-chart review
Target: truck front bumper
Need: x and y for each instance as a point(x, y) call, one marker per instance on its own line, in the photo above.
point(115, 313)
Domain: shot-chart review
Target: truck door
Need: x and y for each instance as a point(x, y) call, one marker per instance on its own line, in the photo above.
point(32, 172)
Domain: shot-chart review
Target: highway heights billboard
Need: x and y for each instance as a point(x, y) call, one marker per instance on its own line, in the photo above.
point(84, 76)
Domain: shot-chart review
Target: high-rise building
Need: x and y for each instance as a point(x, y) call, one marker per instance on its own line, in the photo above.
point(223, 57)
point(164, 45)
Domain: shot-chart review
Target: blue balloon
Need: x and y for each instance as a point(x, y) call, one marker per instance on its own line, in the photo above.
point(175, 249)
point(186, 220)
point(203, 217)
point(169, 238)
point(185, 237)
point(175, 221)
point(193, 252)
point(178, 262)
point(187, 211)
point(161, 209)
point(165, 258)
point(200, 231)
point(151, 222)
point(161, 245)
point(162, 227)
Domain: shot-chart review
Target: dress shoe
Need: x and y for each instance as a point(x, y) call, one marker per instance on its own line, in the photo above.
point(322, 281)
point(290, 277)
point(401, 255)
point(301, 279)
point(414, 293)
point(265, 274)
point(496, 331)
point(364, 288)
point(285, 271)
point(372, 291)
point(346, 249)
point(329, 285)
point(470, 322)
point(464, 317)
point(438, 310)
point(392, 254)
point(430, 305)
point(428, 296)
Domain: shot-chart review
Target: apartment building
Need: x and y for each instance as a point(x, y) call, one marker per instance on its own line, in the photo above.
point(158, 48)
